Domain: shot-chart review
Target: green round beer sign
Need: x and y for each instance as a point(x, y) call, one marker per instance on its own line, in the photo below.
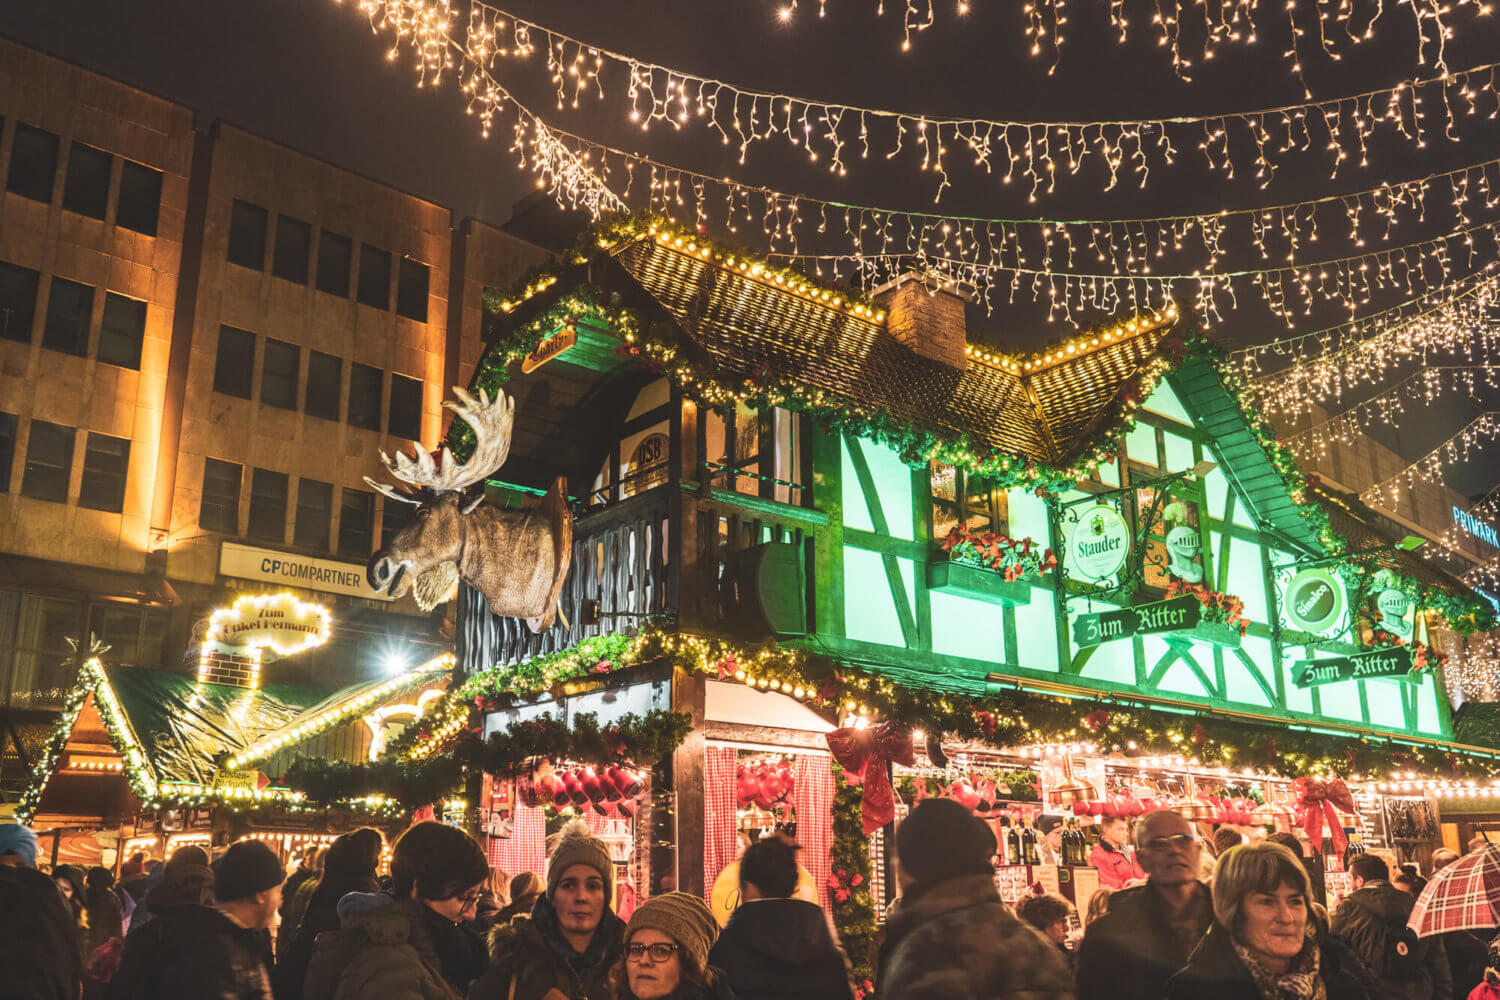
point(1313, 601)
point(1099, 544)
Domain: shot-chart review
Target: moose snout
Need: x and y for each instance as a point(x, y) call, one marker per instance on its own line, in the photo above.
point(383, 572)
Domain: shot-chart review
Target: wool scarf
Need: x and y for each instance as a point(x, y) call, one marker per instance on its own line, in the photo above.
point(1301, 981)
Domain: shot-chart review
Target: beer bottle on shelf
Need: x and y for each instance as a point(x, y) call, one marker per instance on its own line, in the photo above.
point(1013, 854)
point(1028, 844)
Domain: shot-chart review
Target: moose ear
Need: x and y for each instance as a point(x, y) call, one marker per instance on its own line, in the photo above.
point(468, 504)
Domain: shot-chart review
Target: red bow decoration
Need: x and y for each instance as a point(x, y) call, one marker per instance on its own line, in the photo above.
point(865, 756)
point(1315, 802)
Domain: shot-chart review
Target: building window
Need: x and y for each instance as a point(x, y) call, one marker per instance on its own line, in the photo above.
point(748, 450)
point(33, 163)
point(219, 509)
point(314, 514)
point(122, 331)
point(293, 241)
point(325, 376)
point(105, 460)
point(394, 516)
point(247, 235)
point(374, 277)
point(406, 408)
point(41, 674)
point(356, 517)
point(18, 288)
point(49, 462)
point(959, 497)
point(268, 505)
point(411, 290)
point(135, 636)
point(335, 256)
point(86, 183)
point(7, 449)
point(278, 374)
point(234, 369)
point(70, 305)
point(140, 198)
point(364, 396)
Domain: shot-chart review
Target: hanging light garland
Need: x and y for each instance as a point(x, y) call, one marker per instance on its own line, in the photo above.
point(1219, 23)
point(832, 136)
point(1388, 407)
point(1458, 448)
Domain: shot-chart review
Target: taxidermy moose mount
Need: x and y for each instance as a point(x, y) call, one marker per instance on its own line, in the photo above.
point(517, 559)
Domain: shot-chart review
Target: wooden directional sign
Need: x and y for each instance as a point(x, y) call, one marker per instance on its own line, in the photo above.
point(1394, 661)
point(1161, 616)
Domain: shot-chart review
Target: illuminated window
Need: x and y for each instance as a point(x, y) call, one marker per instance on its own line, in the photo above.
point(758, 452)
point(33, 163)
point(86, 182)
point(960, 497)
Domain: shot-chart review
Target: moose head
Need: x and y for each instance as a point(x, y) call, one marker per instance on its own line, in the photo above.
point(518, 559)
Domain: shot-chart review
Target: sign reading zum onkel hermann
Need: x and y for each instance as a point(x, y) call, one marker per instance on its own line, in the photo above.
point(1394, 661)
point(330, 576)
point(1161, 616)
point(1099, 545)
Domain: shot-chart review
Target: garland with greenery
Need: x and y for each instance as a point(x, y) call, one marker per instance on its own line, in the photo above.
point(415, 782)
point(1015, 559)
point(849, 892)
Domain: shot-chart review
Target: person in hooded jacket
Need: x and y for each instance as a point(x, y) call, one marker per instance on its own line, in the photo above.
point(775, 947)
point(525, 888)
point(1264, 942)
point(410, 944)
point(39, 959)
point(572, 937)
point(348, 867)
point(1372, 919)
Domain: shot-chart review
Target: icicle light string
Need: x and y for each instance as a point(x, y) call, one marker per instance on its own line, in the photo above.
point(1219, 23)
point(1458, 448)
point(832, 135)
point(1456, 324)
point(579, 173)
point(1389, 406)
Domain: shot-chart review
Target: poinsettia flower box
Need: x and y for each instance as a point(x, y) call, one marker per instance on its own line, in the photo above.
point(960, 579)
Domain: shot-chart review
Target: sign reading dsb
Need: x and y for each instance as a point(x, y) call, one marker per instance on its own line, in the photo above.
point(1394, 661)
point(1161, 616)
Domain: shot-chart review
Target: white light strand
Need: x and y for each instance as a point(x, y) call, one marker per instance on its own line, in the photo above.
point(1219, 23)
point(1458, 448)
point(1388, 407)
point(832, 136)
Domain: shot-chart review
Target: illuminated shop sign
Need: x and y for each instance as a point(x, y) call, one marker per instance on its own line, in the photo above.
point(1476, 527)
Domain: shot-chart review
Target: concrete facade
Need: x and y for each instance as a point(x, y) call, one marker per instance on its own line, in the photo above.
point(286, 253)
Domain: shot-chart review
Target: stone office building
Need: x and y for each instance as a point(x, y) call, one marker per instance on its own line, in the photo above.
point(205, 339)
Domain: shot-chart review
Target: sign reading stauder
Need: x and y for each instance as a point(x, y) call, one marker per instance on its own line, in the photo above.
point(303, 572)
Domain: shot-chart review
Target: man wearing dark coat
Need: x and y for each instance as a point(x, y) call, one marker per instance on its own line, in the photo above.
point(775, 947)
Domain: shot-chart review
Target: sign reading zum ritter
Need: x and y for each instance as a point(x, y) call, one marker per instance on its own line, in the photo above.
point(1160, 616)
point(1394, 661)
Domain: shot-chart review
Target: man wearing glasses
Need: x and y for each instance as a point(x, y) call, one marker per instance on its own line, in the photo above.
point(1150, 930)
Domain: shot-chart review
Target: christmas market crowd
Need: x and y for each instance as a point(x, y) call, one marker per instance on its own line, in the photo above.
point(1176, 918)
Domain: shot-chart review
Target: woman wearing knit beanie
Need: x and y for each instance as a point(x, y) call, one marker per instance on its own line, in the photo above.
point(564, 948)
point(666, 952)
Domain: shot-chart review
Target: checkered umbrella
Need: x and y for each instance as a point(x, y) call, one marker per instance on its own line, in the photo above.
point(1463, 896)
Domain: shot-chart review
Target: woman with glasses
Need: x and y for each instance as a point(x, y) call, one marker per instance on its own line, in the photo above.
point(1263, 944)
point(411, 943)
point(666, 952)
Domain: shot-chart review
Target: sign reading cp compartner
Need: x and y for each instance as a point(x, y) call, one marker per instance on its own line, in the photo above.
point(303, 572)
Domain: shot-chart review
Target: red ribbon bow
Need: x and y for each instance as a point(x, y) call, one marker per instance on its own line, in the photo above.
point(1315, 803)
point(865, 756)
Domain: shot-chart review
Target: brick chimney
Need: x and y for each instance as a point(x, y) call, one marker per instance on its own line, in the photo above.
point(926, 313)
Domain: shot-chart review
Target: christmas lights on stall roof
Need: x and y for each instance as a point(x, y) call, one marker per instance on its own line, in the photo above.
point(1036, 152)
point(1220, 23)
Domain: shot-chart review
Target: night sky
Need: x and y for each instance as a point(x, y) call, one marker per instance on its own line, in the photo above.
point(309, 73)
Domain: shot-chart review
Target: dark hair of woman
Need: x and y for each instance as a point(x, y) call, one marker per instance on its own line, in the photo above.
point(438, 861)
point(694, 982)
point(349, 867)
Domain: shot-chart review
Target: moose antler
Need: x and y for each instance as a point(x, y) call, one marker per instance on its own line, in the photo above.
point(491, 420)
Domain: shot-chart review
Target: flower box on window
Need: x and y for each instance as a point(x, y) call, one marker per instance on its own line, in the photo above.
point(1212, 634)
point(964, 580)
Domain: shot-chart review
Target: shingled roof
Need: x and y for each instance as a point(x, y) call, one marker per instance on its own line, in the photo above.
point(750, 324)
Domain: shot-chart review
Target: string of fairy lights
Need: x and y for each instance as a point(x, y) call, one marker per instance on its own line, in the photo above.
point(835, 137)
point(1218, 23)
point(1458, 448)
point(1386, 408)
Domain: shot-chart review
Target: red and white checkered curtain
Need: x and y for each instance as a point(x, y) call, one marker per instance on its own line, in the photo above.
point(525, 850)
point(813, 801)
point(720, 824)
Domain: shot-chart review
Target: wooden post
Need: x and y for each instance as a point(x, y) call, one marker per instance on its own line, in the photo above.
point(688, 691)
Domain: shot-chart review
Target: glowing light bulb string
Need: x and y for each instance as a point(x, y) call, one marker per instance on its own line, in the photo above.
point(1458, 448)
point(1388, 406)
point(833, 135)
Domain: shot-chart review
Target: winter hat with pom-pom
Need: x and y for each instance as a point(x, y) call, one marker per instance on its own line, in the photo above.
point(577, 846)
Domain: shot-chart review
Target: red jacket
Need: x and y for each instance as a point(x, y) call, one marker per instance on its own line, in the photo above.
point(1115, 867)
